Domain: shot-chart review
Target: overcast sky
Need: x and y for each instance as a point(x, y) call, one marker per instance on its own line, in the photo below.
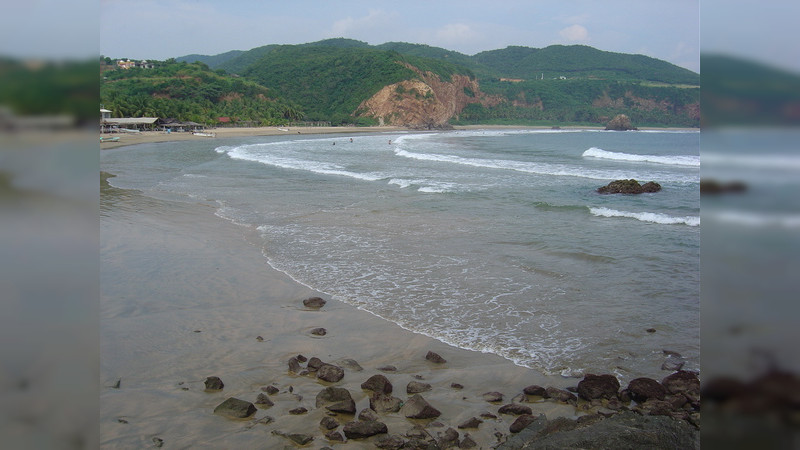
point(161, 29)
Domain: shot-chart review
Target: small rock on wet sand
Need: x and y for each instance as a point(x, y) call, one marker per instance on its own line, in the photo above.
point(314, 302)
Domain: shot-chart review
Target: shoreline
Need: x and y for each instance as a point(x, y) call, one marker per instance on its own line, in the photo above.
point(186, 295)
point(219, 296)
point(127, 139)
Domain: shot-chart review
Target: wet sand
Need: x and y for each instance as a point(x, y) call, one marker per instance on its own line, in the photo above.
point(185, 295)
point(161, 136)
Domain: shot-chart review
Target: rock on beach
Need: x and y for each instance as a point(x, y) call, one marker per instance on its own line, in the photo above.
point(418, 408)
point(235, 408)
point(314, 302)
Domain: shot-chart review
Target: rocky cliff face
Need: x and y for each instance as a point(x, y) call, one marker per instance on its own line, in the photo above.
point(691, 110)
point(427, 102)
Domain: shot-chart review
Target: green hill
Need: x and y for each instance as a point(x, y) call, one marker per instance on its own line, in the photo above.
point(329, 79)
point(212, 61)
point(191, 92)
point(581, 61)
point(330, 82)
point(742, 92)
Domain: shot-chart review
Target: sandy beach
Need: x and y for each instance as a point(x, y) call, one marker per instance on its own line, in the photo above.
point(186, 296)
point(162, 136)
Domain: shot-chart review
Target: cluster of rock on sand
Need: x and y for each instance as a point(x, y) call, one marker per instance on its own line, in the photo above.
point(661, 414)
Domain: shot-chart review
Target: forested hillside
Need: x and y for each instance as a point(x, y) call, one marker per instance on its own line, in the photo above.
point(192, 92)
point(330, 82)
point(329, 79)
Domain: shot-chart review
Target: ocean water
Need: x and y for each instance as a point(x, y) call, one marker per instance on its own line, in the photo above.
point(490, 240)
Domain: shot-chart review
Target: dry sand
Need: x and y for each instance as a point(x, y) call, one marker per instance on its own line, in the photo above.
point(185, 295)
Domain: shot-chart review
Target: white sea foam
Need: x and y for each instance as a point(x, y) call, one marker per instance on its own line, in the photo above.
point(542, 168)
point(675, 160)
point(319, 167)
point(691, 221)
point(756, 219)
point(754, 160)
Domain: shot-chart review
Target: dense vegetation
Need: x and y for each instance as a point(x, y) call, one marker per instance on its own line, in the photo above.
point(191, 92)
point(588, 102)
point(330, 82)
point(581, 61)
point(50, 88)
point(737, 92)
point(327, 80)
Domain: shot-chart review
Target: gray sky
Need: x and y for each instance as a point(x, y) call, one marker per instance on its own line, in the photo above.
point(160, 29)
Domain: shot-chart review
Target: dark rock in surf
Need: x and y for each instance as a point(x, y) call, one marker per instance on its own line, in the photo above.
point(418, 408)
point(643, 389)
point(515, 409)
point(332, 395)
point(368, 414)
point(385, 403)
point(472, 422)
point(493, 397)
point(235, 408)
point(314, 302)
point(629, 187)
point(214, 384)
point(271, 390)
point(390, 442)
point(681, 381)
point(328, 423)
point(534, 390)
point(448, 439)
point(598, 386)
point(330, 373)
point(334, 436)
point(314, 364)
point(377, 383)
point(319, 331)
point(363, 429)
point(294, 365)
point(560, 395)
point(415, 387)
point(526, 420)
point(435, 358)
point(263, 400)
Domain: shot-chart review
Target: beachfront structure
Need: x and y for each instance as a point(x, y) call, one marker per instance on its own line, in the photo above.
point(122, 124)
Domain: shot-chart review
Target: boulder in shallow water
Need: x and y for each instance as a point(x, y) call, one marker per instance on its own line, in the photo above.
point(363, 429)
point(263, 400)
point(214, 384)
point(330, 373)
point(331, 395)
point(643, 389)
point(629, 187)
point(526, 420)
point(435, 358)
point(598, 386)
point(418, 408)
point(493, 397)
point(385, 403)
point(235, 408)
point(378, 383)
point(415, 387)
point(681, 381)
point(515, 409)
point(534, 390)
point(560, 395)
